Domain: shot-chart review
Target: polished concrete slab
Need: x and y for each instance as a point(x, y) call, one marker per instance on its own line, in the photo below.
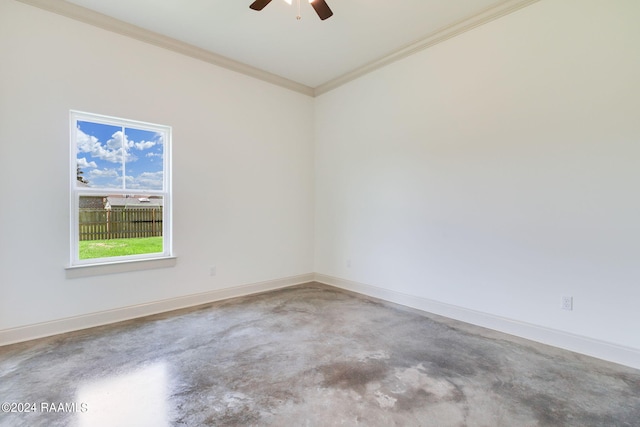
point(309, 355)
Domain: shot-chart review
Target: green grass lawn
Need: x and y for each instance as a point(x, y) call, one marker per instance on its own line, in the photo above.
point(119, 247)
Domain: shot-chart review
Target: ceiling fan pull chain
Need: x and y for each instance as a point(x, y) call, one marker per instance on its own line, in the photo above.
point(299, 17)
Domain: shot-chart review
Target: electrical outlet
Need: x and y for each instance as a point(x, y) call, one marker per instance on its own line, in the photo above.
point(567, 303)
point(212, 271)
point(348, 263)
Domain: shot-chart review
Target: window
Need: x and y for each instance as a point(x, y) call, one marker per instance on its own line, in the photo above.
point(120, 190)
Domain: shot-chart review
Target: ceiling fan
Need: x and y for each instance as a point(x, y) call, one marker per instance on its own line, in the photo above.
point(320, 6)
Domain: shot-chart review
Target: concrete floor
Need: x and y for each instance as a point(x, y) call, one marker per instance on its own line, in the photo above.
point(309, 355)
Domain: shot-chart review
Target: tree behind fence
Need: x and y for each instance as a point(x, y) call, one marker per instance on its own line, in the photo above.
point(101, 224)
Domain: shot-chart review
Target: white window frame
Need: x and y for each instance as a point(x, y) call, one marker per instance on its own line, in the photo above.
point(76, 191)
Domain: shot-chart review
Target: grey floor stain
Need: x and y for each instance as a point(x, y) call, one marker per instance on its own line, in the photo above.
point(353, 375)
point(311, 355)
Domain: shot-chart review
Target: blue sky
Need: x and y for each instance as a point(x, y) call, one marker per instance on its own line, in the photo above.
point(102, 147)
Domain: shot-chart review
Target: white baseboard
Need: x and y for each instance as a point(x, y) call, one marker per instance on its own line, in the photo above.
point(45, 329)
point(579, 344)
point(596, 348)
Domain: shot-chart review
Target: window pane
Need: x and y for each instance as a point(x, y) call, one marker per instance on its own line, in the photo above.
point(144, 160)
point(119, 225)
point(121, 189)
point(99, 155)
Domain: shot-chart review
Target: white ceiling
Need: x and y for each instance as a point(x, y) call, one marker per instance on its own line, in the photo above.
point(309, 51)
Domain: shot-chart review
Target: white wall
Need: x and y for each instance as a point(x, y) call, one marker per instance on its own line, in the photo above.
point(242, 167)
point(496, 172)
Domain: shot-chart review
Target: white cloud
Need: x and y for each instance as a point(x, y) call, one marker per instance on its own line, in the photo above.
point(146, 180)
point(115, 143)
point(104, 173)
point(144, 145)
point(111, 151)
point(83, 163)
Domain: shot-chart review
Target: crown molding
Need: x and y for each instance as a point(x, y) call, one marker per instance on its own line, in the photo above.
point(504, 8)
point(88, 16)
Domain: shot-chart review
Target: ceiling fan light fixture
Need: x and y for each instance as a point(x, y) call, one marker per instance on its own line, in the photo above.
point(320, 6)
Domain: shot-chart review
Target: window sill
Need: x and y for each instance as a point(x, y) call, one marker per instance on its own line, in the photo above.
point(87, 270)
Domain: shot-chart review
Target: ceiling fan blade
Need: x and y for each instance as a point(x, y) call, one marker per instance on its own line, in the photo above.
point(322, 9)
point(259, 4)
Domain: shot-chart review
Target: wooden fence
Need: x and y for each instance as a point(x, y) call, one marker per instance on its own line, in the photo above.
point(101, 224)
